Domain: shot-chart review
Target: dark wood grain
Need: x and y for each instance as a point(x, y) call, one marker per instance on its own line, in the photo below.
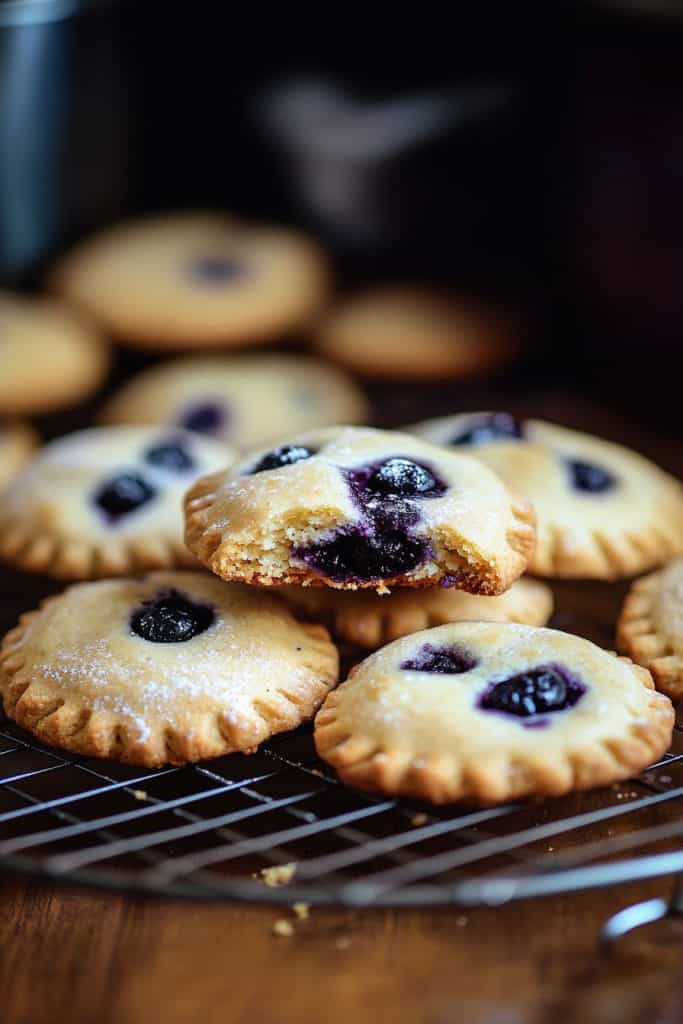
point(82, 956)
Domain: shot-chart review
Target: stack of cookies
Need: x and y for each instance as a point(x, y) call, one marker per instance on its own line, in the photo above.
point(409, 545)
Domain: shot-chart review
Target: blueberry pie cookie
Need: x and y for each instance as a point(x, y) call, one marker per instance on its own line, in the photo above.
point(105, 502)
point(488, 712)
point(192, 280)
point(651, 627)
point(249, 401)
point(168, 668)
point(352, 507)
point(370, 620)
point(603, 511)
point(411, 332)
point(17, 443)
point(49, 358)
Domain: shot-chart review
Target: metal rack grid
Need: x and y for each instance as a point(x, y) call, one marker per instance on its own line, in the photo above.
point(207, 830)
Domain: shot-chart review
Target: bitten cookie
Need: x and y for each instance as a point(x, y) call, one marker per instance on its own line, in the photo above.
point(369, 620)
point(603, 511)
point(249, 401)
point(650, 627)
point(49, 357)
point(413, 332)
point(17, 443)
point(354, 507)
point(105, 502)
point(170, 668)
point(196, 279)
point(488, 712)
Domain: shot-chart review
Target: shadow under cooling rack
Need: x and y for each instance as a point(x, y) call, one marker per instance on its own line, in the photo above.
point(206, 831)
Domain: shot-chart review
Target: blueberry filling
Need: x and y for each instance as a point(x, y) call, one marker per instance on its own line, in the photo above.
point(499, 426)
point(215, 270)
point(123, 494)
point(171, 456)
point(587, 477)
point(403, 478)
point(170, 619)
point(286, 455)
point(381, 546)
point(538, 691)
point(207, 418)
point(448, 661)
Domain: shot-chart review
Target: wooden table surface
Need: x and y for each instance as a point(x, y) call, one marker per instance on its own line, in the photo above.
point(84, 955)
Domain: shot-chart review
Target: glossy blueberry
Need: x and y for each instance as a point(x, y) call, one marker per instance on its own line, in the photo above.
point(448, 661)
point(206, 418)
point(215, 270)
point(286, 455)
point(538, 691)
point(170, 455)
point(170, 619)
point(587, 477)
point(498, 426)
point(123, 494)
point(403, 478)
point(353, 554)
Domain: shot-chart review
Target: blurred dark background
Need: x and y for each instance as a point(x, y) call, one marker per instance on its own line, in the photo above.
point(531, 155)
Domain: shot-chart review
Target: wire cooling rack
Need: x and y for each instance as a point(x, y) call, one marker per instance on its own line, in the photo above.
point(208, 830)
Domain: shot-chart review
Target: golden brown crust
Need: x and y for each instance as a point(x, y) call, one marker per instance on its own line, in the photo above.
point(642, 636)
point(370, 621)
point(245, 527)
point(374, 743)
point(70, 718)
point(18, 441)
point(131, 280)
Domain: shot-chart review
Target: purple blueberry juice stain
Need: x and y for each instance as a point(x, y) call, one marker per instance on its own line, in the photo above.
point(497, 426)
point(213, 271)
point(205, 418)
point(543, 690)
point(450, 660)
point(381, 545)
point(123, 494)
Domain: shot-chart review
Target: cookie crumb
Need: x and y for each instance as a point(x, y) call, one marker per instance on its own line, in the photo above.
point(140, 794)
point(279, 874)
point(343, 943)
point(418, 819)
point(282, 928)
point(302, 911)
point(316, 771)
point(461, 921)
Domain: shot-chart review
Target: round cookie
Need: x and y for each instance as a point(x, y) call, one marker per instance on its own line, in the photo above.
point(17, 443)
point(49, 357)
point(105, 502)
point(488, 712)
point(413, 332)
point(370, 620)
point(650, 628)
point(170, 668)
point(354, 507)
point(603, 510)
point(195, 279)
point(249, 401)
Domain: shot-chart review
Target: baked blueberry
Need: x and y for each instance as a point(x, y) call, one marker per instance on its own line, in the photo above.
point(286, 455)
point(216, 270)
point(537, 691)
point(170, 619)
point(352, 554)
point(122, 494)
point(170, 455)
point(404, 478)
point(206, 418)
point(498, 426)
point(586, 476)
point(448, 661)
